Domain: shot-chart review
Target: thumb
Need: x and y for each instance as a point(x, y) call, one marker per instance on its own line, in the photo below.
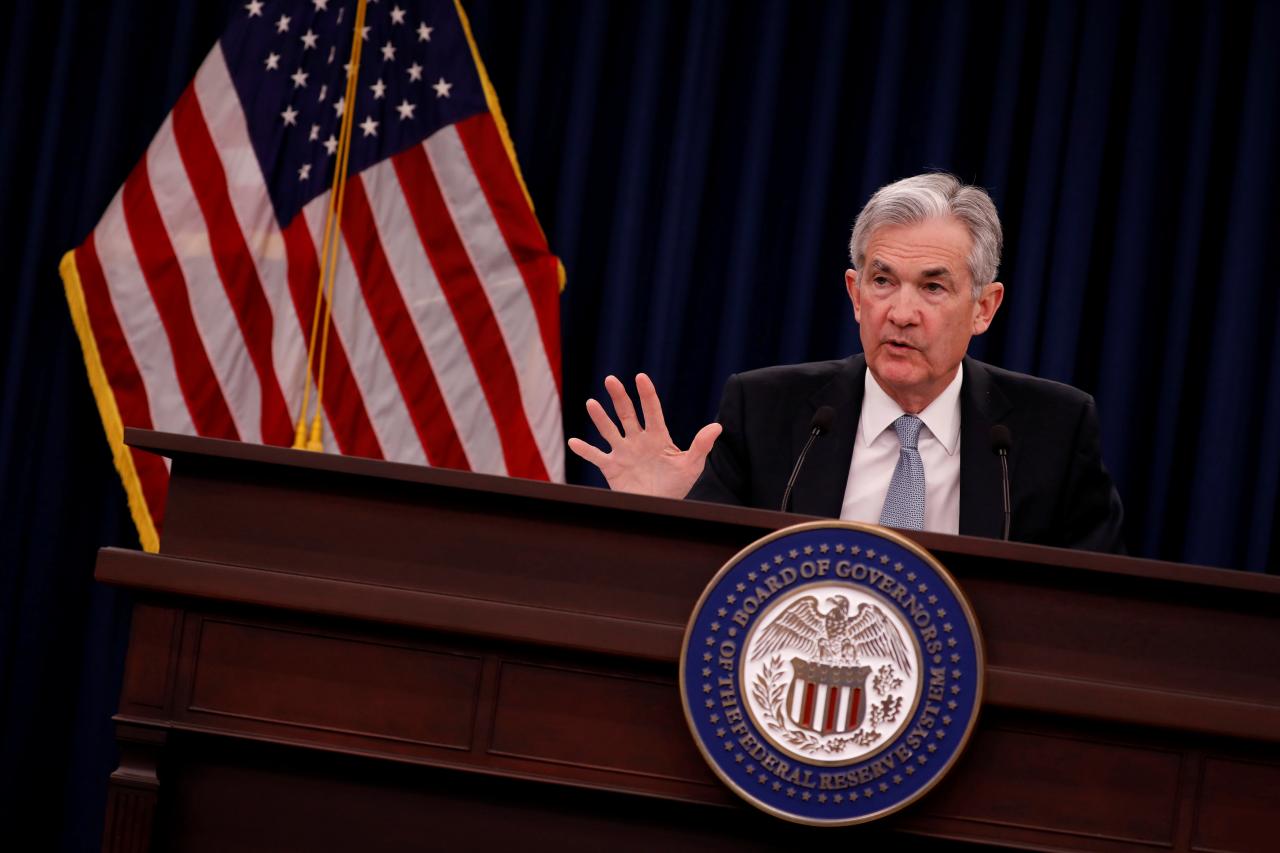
point(703, 441)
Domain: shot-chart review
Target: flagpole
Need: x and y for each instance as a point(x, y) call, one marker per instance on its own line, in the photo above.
point(329, 251)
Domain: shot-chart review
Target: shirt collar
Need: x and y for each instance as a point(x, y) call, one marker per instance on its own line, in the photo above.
point(941, 417)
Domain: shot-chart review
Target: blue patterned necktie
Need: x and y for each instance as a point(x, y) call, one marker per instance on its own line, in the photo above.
point(904, 504)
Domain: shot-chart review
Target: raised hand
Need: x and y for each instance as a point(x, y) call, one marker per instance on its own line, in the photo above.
point(643, 460)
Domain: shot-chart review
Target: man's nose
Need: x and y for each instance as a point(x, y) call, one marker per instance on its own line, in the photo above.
point(904, 307)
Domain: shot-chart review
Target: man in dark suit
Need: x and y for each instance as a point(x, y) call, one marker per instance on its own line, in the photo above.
point(910, 443)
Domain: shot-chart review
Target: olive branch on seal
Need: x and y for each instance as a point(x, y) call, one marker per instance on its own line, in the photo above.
point(768, 691)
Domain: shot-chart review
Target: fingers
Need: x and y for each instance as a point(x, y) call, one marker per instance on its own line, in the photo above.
point(592, 454)
point(604, 423)
point(650, 404)
point(622, 405)
point(704, 440)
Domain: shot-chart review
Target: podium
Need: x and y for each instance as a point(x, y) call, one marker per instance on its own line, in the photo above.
point(331, 653)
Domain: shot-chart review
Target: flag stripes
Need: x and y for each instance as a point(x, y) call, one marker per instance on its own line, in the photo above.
point(444, 340)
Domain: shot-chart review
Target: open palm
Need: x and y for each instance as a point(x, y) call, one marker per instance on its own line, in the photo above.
point(643, 459)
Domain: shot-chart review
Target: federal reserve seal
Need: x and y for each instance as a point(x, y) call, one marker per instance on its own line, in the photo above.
point(831, 673)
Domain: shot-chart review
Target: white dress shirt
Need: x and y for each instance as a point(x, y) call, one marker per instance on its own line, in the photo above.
point(875, 454)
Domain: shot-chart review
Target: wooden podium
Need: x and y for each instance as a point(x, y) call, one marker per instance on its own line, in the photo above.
point(342, 654)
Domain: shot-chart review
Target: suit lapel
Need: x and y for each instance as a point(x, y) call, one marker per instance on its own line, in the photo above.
point(820, 487)
point(982, 406)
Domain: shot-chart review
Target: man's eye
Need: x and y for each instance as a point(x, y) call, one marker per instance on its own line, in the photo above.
point(934, 287)
point(880, 281)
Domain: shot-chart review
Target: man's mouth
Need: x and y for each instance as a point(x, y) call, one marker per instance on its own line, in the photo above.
point(899, 346)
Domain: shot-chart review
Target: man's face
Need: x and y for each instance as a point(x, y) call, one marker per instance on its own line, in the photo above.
point(915, 309)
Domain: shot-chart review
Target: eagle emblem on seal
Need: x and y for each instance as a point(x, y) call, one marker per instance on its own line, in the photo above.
point(827, 693)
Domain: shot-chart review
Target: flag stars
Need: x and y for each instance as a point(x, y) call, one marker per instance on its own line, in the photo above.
point(314, 134)
point(364, 33)
point(424, 32)
point(442, 88)
point(255, 9)
point(379, 90)
point(321, 5)
point(341, 106)
point(388, 52)
point(304, 172)
point(397, 15)
point(299, 79)
point(308, 40)
point(330, 145)
point(282, 25)
point(273, 61)
point(290, 116)
point(405, 109)
point(346, 66)
point(324, 92)
point(415, 72)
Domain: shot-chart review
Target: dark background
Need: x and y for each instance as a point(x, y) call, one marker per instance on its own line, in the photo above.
point(698, 166)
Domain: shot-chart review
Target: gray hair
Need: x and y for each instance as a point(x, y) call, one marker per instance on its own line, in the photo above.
point(935, 195)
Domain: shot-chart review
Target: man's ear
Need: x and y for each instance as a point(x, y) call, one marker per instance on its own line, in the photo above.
point(855, 295)
point(987, 305)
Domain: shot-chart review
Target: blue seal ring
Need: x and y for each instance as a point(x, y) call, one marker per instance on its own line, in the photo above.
point(832, 673)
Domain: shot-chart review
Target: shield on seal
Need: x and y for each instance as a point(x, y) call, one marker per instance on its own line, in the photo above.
point(827, 699)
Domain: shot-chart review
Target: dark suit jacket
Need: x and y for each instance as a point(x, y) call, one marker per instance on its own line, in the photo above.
point(1061, 493)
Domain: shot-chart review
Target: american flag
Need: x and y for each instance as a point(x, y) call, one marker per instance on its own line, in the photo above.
point(193, 296)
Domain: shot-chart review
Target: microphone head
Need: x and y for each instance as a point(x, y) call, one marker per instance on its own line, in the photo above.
point(823, 419)
point(1001, 439)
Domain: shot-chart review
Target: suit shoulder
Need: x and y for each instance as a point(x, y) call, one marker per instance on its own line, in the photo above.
point(812, 374)
point(1024, 389)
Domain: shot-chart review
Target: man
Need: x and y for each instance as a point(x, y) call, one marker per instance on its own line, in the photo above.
point(911, 441)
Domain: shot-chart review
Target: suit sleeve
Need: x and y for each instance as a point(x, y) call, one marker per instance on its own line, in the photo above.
point(1091, 508)
point(726, 476)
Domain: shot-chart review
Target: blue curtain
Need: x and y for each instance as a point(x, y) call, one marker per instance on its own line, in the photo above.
point(698, 166)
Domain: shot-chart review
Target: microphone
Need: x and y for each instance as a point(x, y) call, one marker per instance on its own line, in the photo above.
point(1001, 443)
point(822, 421)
